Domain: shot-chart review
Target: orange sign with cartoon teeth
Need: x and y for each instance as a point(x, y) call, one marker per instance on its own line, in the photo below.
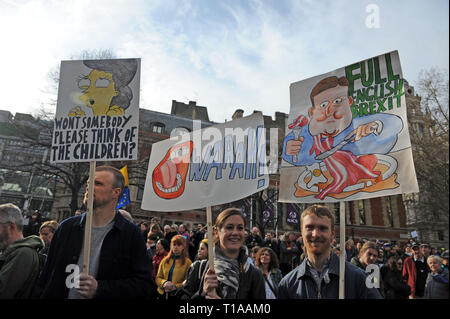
point(169, 177)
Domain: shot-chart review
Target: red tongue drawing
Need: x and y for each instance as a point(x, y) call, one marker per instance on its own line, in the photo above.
point(167, 174)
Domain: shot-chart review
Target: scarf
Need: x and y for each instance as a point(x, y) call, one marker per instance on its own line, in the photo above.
point(228, 272)
point(175, 258)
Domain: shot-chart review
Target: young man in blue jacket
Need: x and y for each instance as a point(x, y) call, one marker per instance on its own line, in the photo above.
point(317, 276)
point(118, 266)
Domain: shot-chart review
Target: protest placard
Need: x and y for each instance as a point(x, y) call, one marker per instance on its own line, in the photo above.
point(212, 166)
point(97, 111)
point(347, 135)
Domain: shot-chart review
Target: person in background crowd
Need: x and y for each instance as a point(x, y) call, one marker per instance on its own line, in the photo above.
point(202, 250)
point(358, 247)
point(380, 259)
point(444, 257)
point(46, 232)
point(394, 286)
point(162, 250)
point(173, 269)
point(184, 232)
point(232, 277)
point(407, 251)
point(436, 286)
point(271, 242)
point(118, 267)
point(288, 253)
point(156, 230)
point(144, 230)
point(78, 212)
point(336, 250)
point(168, 233)
point(367, 256)
point(126, 214)
point(415, 272)
point(425, 250)
point(254, 238)
point(396, 251)
point(198, 235)
point(19, 261)
point(253, 253)
point(151, 243)
point(267, 261)
point(317, 276)
point(350, 250)
point(387, 248)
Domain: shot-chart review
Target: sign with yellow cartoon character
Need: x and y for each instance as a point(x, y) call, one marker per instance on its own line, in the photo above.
point(97, 112)
point(347, 135)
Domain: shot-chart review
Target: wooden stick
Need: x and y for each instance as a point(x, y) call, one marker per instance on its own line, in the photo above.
point(342, 248)
point(88, 225)
point(210, 237)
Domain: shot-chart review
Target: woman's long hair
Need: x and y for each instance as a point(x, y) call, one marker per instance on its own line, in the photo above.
point(180, 240)
point(274, 264)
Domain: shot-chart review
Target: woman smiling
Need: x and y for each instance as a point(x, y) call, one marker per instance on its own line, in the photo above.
point(232, 277)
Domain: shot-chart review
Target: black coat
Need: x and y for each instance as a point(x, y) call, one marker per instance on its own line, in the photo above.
point(123, 271)
point(299, 283)
point(394, 286)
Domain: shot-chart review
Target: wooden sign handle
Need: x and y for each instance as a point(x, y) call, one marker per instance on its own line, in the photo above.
point(88, 225)
point(342, 248)
point(210, 237)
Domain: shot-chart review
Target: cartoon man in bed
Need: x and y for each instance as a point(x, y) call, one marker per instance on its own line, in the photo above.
point(348, 147)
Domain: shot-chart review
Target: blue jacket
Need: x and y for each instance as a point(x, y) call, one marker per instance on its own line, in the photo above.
point(299, 284)
point(123, 272)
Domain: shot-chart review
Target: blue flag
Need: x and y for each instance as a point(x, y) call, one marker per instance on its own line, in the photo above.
point(124, 199)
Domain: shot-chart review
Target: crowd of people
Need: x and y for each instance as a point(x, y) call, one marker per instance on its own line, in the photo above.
point(150, 260)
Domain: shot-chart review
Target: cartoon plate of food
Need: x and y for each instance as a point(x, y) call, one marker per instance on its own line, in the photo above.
point(315, 178)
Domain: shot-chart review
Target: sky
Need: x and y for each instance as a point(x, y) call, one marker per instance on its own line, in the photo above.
point(223, 54)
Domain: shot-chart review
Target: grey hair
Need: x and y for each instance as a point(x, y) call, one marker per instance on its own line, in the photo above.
point(11, 213)
point(434, 257)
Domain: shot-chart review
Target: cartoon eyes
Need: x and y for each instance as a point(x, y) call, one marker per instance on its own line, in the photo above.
point(179, 152)
point(336, 101)
point(102, 83)
point(84, 83)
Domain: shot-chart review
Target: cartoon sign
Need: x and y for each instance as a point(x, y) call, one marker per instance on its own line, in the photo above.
point(212, 166)
point(97, 112)
point(347, 135)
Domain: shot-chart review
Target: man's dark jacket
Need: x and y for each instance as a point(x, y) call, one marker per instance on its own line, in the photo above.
point(299, 284)
point(123, 271)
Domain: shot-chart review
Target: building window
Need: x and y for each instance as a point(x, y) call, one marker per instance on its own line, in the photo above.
point(389, 212)
point(336, 212)
point(362, 212)
point(158, 128)
point(440, 235)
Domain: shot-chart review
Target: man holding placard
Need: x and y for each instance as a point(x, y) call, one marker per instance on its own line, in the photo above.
point(317, 277)
point(118, 266)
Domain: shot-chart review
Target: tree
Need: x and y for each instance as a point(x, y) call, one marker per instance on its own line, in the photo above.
point(430, 140)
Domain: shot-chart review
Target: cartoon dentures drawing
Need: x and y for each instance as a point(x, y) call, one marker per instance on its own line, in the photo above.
point(169, 177)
